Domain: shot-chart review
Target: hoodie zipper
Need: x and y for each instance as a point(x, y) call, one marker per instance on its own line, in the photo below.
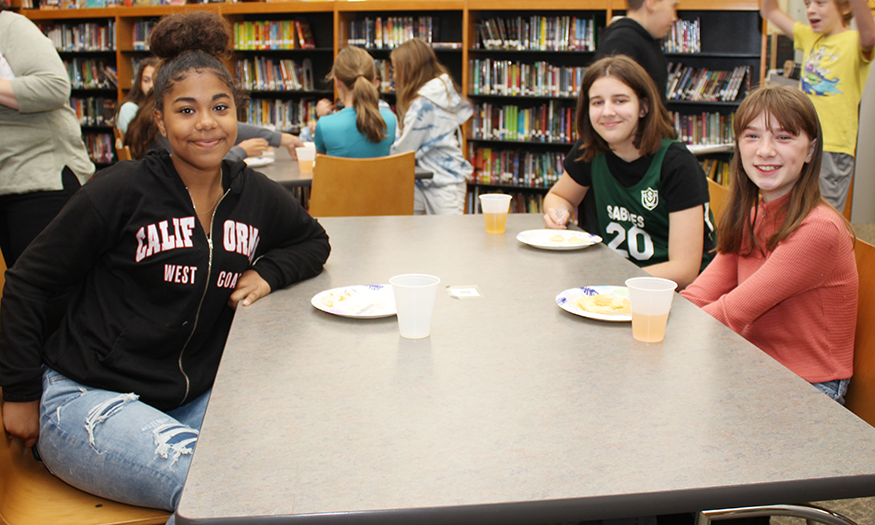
point(203, 296)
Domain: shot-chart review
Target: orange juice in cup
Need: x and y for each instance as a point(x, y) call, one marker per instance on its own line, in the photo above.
point(306, 159)
point(495, 207)
point(650, 302)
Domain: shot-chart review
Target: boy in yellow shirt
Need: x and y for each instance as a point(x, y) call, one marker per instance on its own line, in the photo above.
point(834, 72)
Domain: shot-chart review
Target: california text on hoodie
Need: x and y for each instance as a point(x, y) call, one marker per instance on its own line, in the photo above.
point(148, 312)
point(431, 129)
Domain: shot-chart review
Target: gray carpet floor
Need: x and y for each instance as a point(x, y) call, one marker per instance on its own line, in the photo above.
point(861, 511)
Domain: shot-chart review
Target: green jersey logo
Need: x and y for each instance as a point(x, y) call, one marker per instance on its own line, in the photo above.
point(649, 198)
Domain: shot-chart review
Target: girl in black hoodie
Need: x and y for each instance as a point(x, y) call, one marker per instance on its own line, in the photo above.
point(158, 254)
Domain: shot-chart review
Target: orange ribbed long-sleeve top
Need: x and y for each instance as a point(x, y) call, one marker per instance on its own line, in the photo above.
point(797, 303)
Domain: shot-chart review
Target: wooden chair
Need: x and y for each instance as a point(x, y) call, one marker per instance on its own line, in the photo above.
point(30, 495)
point(363, 187)
point(860, 398)
point(123, 152)
point(719, 196)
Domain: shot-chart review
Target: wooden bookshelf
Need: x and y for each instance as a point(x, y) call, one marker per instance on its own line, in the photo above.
point(459, 21)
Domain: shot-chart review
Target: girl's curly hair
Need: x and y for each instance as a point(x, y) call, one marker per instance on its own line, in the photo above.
point(197, 41)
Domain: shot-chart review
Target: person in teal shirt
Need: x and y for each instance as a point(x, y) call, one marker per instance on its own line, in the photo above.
point(361, 129)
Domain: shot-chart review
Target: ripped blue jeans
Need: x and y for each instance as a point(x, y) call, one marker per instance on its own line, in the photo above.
point(112, 445)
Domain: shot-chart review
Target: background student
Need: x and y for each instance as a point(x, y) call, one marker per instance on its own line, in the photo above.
point(361, 129)
point(639, 36)
point(43, 160)
point(139, 90)
point(785, 276)
point(431, 112)
point(834, 72)
point(159, 252)
point(650, 193)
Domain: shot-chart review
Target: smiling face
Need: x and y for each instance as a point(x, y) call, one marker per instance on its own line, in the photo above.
point(614, 111)
point(772, 157)
point(146, 80)
point(199, 119)
point(824, 16)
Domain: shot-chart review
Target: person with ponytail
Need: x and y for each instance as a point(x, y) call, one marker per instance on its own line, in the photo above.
point(361, 129)
point(158, 254)
point(784, 277)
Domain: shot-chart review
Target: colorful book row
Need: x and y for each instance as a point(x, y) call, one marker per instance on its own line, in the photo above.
point(100, 147)
point(273, 34)
point(545, 123)
point(94, 111)
point(281, 115)
point(87, 73)
point(704, 85)
point(717, 170)
point(274, 74)
point(520, 202)
point(387, 75)
point(538, 33)
point(685, 36)
point(141, 32)
point(508, 77)
point(81, 37)
point(388, 33)
point(706, 129)
point(513, 167)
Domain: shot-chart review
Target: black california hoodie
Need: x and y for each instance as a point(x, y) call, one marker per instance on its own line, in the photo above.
point(148, 312)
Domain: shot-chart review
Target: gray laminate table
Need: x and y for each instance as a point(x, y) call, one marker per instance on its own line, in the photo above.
point(513, 411)
point(284, 170)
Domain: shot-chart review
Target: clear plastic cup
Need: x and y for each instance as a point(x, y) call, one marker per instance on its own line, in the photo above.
point(306, 159)
point(414, 300)
point(495, 207)
point(650, 300)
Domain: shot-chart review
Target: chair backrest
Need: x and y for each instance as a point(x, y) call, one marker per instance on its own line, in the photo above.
point(861, 392)
point(719, 196)
point(363, 187)
point(30, 495)
point(124, 153)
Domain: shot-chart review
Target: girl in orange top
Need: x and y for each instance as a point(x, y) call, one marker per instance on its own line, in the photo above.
point(785, 276)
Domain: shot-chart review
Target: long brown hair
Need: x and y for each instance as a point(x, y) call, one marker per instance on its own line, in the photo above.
point(142, 132)
point(415, 64)
point(136, 94)
point(355, 67)
point(654, 126)
point(795, 114)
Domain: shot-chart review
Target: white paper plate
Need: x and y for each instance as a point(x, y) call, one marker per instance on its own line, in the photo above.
point(558, 239)
point(360, 301)
point(257, 162)
point(567, 300)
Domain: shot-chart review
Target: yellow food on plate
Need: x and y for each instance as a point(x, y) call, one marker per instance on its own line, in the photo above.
point(576, 240)
point(604, 304)
point(331, 299)
point(558, 238)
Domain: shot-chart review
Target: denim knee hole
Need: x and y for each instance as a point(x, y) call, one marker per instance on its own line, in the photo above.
point(174, 439)
point(104, 411)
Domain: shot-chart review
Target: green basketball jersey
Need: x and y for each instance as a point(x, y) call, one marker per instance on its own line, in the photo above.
point(634, 222)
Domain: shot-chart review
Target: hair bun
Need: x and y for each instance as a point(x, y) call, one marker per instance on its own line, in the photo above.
point(194, 31)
